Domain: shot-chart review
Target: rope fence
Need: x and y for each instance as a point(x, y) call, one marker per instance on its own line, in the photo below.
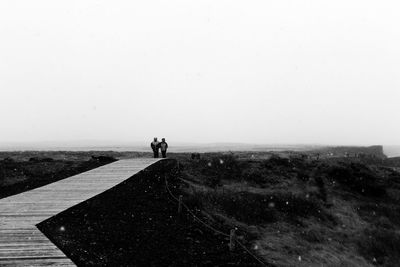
point(231, 236)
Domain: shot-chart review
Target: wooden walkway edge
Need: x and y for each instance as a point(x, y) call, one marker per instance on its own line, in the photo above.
point(21, 243)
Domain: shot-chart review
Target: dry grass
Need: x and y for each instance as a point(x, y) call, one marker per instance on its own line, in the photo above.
point(321, 213)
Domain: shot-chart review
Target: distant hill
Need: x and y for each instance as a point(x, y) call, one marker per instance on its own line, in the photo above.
point(353, 151)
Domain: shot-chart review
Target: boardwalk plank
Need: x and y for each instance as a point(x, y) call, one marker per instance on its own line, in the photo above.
point(21, 243)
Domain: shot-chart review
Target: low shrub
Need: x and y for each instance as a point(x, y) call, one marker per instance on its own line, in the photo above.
point(255, 176)
point(358, 178)
point(319, 181)
point(103, 159)
point(380, 246)
point(372, 211)
point(301, 206)
point(248, 208)
point(313, 235)
point(254, 208)
point(195, 156)
point(224, 166)
point(194, 200)
point(384, 223)
point(302, 175)
point(276, 161)
point(213, 181)
point(39, 159)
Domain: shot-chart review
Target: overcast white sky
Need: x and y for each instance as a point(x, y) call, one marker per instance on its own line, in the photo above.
point(265, 71)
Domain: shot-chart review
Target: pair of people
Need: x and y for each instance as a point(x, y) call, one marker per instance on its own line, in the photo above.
point(156, 146)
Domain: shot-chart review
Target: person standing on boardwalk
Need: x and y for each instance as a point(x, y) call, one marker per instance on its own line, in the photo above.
point(164, 147)
point(155, 146)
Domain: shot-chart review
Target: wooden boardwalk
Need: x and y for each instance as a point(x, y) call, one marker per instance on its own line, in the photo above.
point(21, 243)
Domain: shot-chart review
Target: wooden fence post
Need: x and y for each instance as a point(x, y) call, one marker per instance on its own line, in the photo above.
point(232, 239)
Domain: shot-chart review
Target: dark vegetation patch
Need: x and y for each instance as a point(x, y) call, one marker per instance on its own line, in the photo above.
point(296, 189)
point(358, 178)
point(372, 211)
point(258, 177)
point(256, 209)
point(380, 246)
point(275, 190)
point(216, 169)
point(40, 159)
point(17, 176)
point(313, 235)
point(136, 224)
point(69, 155)
point(103, 159)
point(212, 169)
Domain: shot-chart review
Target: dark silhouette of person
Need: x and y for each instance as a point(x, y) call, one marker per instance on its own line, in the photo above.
point(155, 146)
point(164, 147)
